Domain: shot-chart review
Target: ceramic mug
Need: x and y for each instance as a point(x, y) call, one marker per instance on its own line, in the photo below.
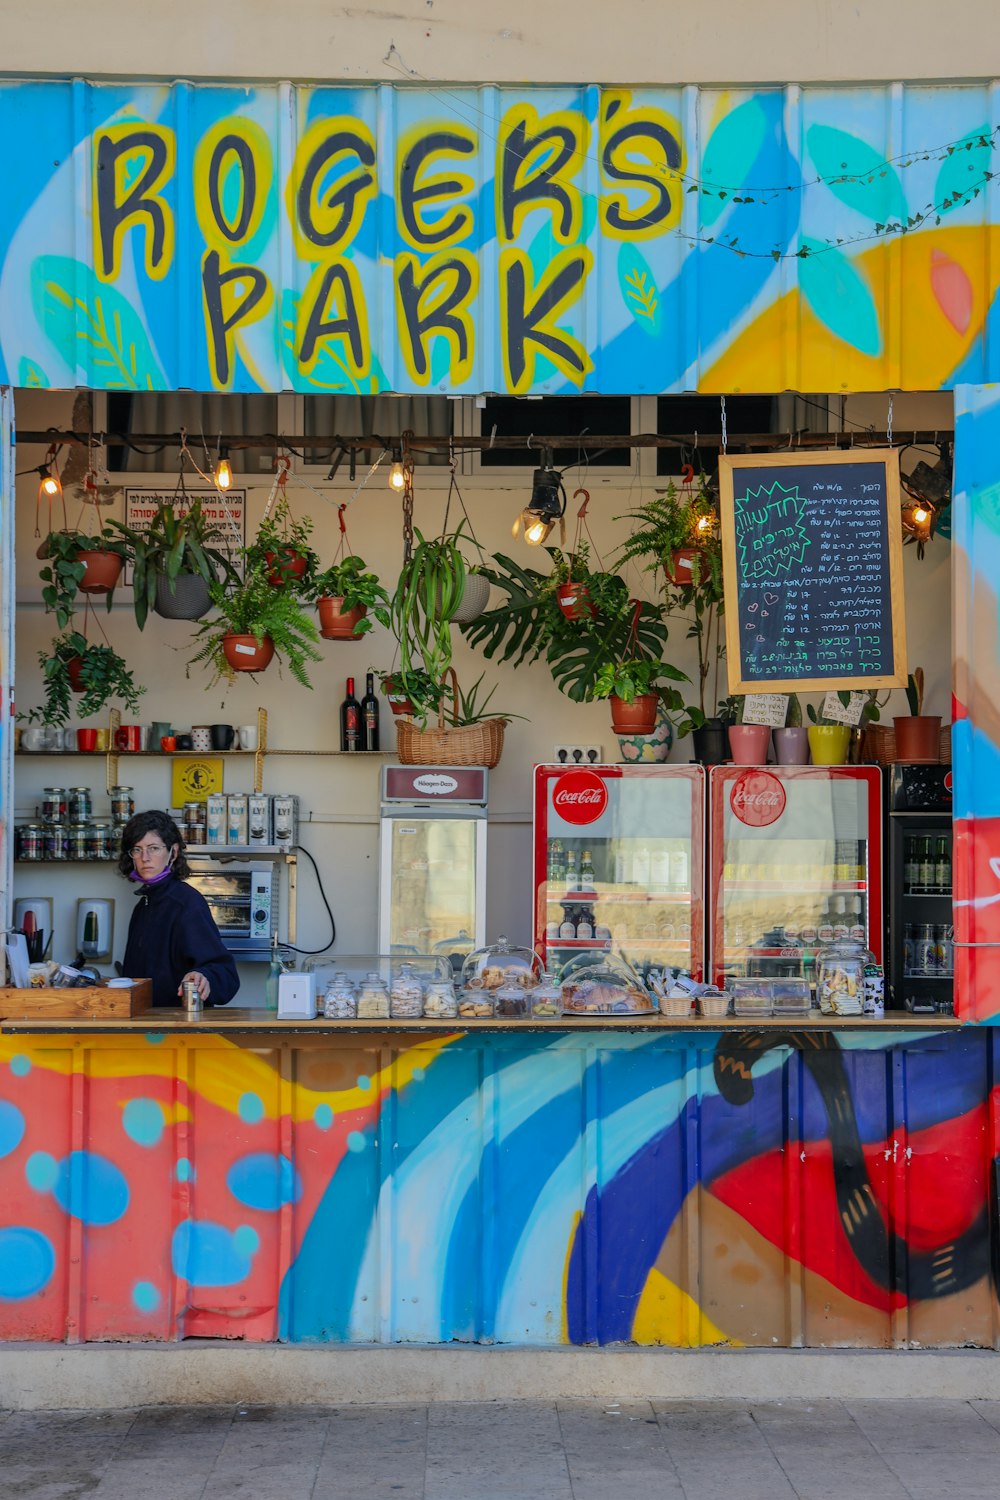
point(157, 730)
point(201, 737)
point(128, 737)
point(86, 739)
point(33, 737)
point(183, 741)
point(102, 741)
point(222, 736)
point(168, 743)
point(248, 737)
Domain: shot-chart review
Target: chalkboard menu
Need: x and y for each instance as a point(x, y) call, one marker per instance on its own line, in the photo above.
point(812, 564)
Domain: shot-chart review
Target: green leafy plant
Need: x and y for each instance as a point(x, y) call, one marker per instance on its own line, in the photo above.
point(286, 539)
point(351, 581)
point(469, 708)
point(64, 570)
point(730, 710)
point(634, 677)
point(427, 595)
point(253, 607)
point(817, 716)
point(793, 713)
point(423, 692)
point(103, 674)
point(176, 542)
point(915, 692)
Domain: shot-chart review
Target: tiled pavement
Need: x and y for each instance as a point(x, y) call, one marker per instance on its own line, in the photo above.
point(669, 1450)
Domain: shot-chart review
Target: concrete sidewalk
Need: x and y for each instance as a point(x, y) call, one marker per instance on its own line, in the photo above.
point(677, 1450)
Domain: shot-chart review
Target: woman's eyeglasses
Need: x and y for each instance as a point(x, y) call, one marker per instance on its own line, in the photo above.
point(139, 851)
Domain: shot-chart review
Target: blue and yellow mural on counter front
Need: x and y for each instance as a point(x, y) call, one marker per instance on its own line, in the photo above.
point(757, 1188)
point(337, 239)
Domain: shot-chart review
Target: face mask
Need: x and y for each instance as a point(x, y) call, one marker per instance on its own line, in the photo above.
point(155, 879)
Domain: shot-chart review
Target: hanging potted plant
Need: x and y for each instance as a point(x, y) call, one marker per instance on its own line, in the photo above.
point(73, 665)
point(282, 548)
point(79, 564)
point(572, 588)
point(677, 532)
point(791, 744)
point(345, 593)
point(255, 623)
point(918, 735)
point(405, 690)
point(633, 693)
point(174, 561)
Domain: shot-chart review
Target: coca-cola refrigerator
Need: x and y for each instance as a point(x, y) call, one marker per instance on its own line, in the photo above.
point(619, 864)
point(795, 862)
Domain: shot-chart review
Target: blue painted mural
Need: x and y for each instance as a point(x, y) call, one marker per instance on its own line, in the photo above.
point(336, 239)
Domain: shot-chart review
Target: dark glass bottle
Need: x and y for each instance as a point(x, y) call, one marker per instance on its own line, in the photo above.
point(369, 715)
point(350, 720)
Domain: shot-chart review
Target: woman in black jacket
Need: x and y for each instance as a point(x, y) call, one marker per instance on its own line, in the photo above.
point(171, 936)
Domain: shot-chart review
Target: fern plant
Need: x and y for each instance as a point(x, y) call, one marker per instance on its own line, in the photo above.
point(255, 608)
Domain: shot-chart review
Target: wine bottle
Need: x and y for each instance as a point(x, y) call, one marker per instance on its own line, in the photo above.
point(369, 715)
point(350, 720)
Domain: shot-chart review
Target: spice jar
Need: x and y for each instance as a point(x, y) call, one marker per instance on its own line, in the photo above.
point(30, 841)
point(122, 803)
point(406, 995)
point(546, 999)
point(373, 999)
point(55, 840)
point(440, 1001)
point(80, 804)
point(54, 804)
point(340, 1003)
point(512, 1001)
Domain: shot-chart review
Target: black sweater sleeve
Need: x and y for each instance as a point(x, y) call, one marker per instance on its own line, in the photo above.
point(200, 947)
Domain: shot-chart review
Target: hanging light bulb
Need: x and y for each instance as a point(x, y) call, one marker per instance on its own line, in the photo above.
point(547, 504)
point(397, 471)
point(222, 474)
point(705, 524)
point(49, 484)
point(920, 516)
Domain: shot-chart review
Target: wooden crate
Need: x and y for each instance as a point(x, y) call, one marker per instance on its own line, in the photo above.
point(81, 1004)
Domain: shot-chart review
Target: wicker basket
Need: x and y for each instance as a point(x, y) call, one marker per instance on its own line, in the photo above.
point(880, 744)
point(467, 745)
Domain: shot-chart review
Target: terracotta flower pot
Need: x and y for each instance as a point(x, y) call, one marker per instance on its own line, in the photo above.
point(637, 717)
point(103, 569)
point(284, 565)
point(337, 623)
point(684, 563)
point(398, 702)
point(575, 602)
point(829, 743)
point(74, 671)
point(749, 743)
point(245, 654)
point(918, 739)
point(791, 746)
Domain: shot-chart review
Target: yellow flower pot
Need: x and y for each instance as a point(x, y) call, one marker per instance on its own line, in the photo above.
point(829, 743)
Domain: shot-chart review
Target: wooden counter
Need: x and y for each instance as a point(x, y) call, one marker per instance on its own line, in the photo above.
point(225, 1019)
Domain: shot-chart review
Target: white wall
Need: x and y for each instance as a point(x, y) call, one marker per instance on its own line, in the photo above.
point(520, 41)
point(340, 794)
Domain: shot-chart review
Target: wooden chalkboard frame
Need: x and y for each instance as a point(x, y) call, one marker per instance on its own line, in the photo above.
point(729, 464)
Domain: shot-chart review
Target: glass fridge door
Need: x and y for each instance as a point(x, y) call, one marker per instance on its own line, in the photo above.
point(796, 863)
point(618, 865)
point(432, 885)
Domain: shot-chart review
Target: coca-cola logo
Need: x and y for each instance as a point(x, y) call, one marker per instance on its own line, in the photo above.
point(580, 797)
point(435, 786)
point(948, 782)
point(757, 798)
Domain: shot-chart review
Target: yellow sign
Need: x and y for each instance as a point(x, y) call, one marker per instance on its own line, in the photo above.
point(194, 777)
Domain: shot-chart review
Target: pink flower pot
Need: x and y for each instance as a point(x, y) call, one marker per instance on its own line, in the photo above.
point(749, 743)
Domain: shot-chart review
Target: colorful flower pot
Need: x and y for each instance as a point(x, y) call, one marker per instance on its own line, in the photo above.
point(245, 653)
point(637, 717)
point(791, 746)
point(101, 571)
point(749, 743)
point(648, 749)
point(829, 743)
point(575, 602)
point(918, 739)
point(337, 623)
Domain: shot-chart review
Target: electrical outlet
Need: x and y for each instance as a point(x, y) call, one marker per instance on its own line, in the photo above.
point(578, 755)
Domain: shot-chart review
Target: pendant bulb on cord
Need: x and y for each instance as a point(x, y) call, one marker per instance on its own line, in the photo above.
point(222, 474)
point(397, 471)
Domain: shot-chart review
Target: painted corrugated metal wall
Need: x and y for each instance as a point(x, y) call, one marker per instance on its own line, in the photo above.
point(756, 1188)
point(354, 239)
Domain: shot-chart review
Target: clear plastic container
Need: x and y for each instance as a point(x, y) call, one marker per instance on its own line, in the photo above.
point(840, 977)
point(406, 994)
point(500, 964)
point(609, 987)
point(475, 1005)
point(546, 999)
point(752, 997)
point(440, 1000)
point(513, 1001)
point(340, 1001)
point(791, 997)
point(373, 999)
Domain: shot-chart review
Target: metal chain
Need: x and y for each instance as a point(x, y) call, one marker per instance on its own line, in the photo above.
point(407, 498)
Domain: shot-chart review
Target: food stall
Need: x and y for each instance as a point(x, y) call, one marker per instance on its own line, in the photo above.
point(609, 1173)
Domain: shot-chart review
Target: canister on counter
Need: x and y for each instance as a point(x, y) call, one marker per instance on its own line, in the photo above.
point(259, 818)
point(55, 803)
point(81, 804)
point(237, 821)
point(122, 803)
point(286, 820)
point(215, 818)
point(191, 998)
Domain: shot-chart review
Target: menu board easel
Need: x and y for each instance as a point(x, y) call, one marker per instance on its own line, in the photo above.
point(813, 570)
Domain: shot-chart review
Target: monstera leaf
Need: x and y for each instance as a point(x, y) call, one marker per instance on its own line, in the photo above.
point(519, 630)
point(577, 652)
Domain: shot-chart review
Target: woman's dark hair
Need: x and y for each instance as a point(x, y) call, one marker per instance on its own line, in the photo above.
point(153, 822)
